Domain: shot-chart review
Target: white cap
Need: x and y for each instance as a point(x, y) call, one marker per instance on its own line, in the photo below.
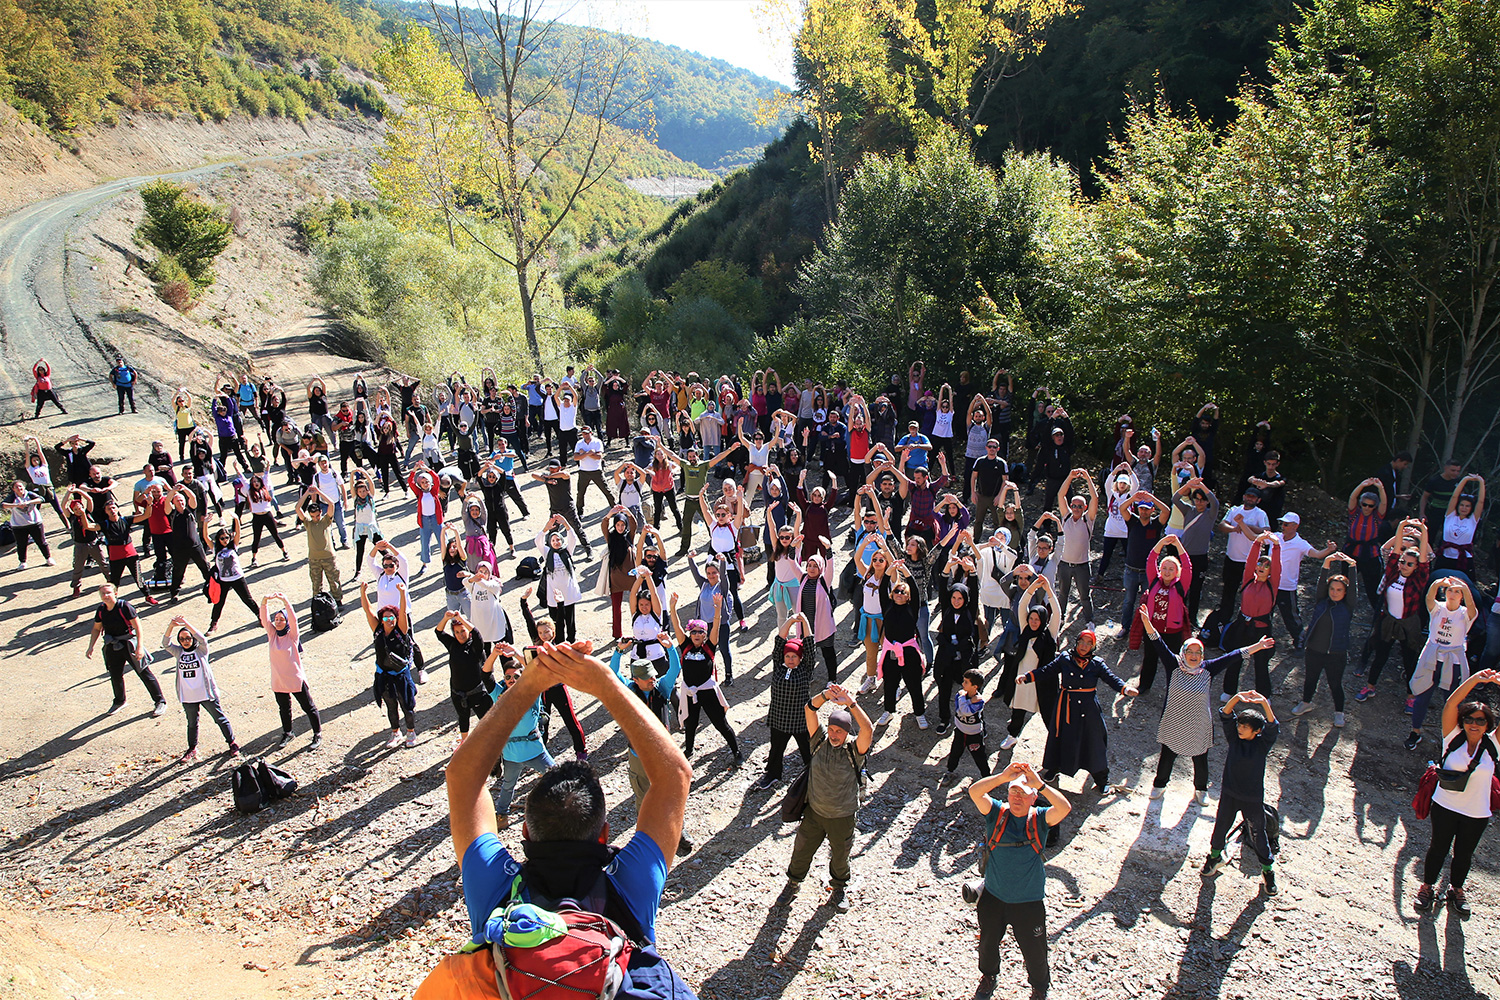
point(1290, 518)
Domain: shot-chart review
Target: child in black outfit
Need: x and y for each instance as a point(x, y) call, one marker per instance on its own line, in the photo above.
point(1251, 733)
point(968, 722)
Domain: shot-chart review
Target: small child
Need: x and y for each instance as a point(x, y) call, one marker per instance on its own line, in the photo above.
point(968, 726)
point(1251, 733)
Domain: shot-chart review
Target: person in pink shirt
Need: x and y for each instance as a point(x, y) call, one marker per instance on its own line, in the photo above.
point(287, 679)
point(1168, 578)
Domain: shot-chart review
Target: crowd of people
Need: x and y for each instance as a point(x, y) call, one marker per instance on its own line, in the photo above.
point(949, 536)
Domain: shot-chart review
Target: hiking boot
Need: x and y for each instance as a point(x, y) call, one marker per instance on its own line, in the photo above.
point(1214, 865)
point(1423, 901)
point(286, 739)
point(1268, 878)
point(839, 900)
point(1457, 902)
point(684, 845)
point(317, 742)
point(1365, 693)
point(1413, 741)
point(1301, 708)
point(158, 710)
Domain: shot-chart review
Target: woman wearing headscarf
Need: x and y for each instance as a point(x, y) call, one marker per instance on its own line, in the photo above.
point(288, 680)
point(195, 684)
point(1076, 737)
point(558, 580)
point(618, 573)
point(1040, 622)
point(1187, 722)
point(699, 692)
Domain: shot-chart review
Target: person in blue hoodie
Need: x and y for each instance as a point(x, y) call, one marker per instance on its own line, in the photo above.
point(1327, 636)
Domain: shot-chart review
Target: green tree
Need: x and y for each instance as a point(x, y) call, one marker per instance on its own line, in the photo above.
point(185, 229)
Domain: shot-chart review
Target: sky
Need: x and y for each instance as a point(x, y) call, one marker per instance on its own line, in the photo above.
point(737, 31)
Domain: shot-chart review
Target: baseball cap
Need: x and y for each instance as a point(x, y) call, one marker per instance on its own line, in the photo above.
point(1290, 518)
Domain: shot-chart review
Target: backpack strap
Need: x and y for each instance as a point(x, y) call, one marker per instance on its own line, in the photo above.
point(1033, 831)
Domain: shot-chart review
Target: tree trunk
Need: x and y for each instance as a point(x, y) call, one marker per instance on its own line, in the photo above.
point(528, 314)
point(1423, 381)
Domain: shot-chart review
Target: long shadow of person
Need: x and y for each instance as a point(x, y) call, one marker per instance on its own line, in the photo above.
point(1441, 970)
point(1207, 954)
point(769, 961)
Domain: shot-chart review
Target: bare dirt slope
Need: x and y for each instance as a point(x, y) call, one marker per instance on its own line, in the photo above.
point(123, 871)
point(33, 167)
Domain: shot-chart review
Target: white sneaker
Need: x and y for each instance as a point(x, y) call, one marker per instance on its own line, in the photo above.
point(885, 718)
point(1008, 742)
point(1200, 797)
point(865, 688)
point(1224, 699)
point(394, 741)
point(421, 677)
point(20, 565)
point(1338, 720)
point(51, 561)
point(411, 738)
point(1301, 708)
point(1156, 792)
point(921, 722)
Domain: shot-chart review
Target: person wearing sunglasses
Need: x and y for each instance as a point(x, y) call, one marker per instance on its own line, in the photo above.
point(1461, 802)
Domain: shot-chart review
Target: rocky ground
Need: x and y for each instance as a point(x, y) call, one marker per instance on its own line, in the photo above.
point(127, 873)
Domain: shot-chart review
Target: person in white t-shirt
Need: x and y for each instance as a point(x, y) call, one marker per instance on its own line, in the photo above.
point(1443, 663)
point(331, 484)
point(1123, 485)
point(1461, 805)
point(589, 452)
point(1293, 548)
point(1243, 524)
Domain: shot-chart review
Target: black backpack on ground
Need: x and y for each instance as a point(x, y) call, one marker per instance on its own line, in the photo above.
point(325, 613)
point(528, 569)
point(256, 785)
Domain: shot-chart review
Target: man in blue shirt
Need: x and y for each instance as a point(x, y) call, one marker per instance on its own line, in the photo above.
point(123, 376)
point(914, 448)
point(1015, 875)
point(565, 839)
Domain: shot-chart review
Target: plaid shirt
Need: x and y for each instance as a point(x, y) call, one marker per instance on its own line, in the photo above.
point(1414, 591)
point(923, 501)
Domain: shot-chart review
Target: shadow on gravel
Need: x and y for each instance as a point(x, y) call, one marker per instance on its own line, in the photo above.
point(768, 963)
point(1311, 764)
point(1440, 969)
point(1206, 959)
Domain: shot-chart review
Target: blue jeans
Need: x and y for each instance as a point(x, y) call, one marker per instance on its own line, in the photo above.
point(431, 532)
point(1419, 707)
point(1134, 581)
point(510, 773)
point(338, 518)
point(924, 633)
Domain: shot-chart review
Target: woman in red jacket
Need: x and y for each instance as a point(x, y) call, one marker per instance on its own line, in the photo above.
point(1257, 598)
point(1167, 580)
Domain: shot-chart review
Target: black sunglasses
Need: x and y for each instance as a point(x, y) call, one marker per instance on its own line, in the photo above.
point(1476, 720)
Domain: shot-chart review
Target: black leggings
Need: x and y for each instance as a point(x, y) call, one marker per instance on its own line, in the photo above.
point(1150, 657)
point(670, 496)
point(266, 522)
point(1319, 664)
point(974, 743)
point(499, 519)
point(1246, 633)
point(1168, 758)
point(304, 698)
point(116, 660)
point(232, 587)
point(708, 703)
point(387, 463)
point(557, 697)
point(348, 450)
point(908, 669)
point(118, 568)
point(564, 620)
point(184, 557)
point(779, 740)
point(1018, 717)
point(1030, 923)
point(830, 660)
point(26, 533)
point(464, 702)
point(43, 396)
point(948, 669)
point(359, 549)
point(1456, 831)
point(232, 446)
point(394, 711)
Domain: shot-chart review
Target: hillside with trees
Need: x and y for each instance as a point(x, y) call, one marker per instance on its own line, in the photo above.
point(1319, 244)
point(67, 66)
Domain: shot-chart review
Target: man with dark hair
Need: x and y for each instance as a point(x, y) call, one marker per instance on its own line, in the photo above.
point(1250, 732)
point(565, 838)
point(1390, 477)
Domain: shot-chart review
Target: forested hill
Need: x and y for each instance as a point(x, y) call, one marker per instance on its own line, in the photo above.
point(69, 64)
point(700, 109)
